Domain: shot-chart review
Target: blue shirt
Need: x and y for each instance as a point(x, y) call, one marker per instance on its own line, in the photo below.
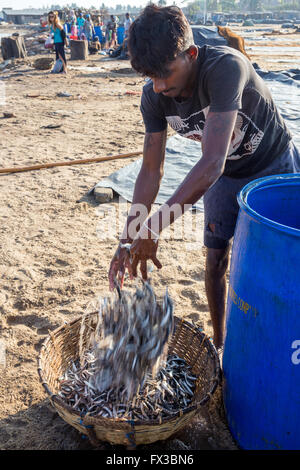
point(80, 22)
point(57, 35)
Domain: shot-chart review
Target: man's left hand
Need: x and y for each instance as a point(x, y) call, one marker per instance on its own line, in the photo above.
point(143, 250)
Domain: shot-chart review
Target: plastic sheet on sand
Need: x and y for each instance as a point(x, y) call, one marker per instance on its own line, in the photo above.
point(182, 154)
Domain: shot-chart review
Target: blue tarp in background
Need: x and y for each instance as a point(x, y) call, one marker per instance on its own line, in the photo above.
point(182, 154)
point(210, 36)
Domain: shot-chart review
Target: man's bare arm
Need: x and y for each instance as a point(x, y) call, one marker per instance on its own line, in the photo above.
point(216, 140)
point(148, 180)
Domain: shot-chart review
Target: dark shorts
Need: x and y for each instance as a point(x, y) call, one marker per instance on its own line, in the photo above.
point(60, 50)
point(220, 201)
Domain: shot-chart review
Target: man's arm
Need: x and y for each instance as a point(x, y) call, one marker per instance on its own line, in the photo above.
point(216, 139)
point(147, 183)
point(145, 192)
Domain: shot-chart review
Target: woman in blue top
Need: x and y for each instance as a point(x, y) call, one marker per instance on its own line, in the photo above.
point(60, 39)
point(80, 24)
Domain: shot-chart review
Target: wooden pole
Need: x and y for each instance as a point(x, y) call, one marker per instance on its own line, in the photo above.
point(71, 162)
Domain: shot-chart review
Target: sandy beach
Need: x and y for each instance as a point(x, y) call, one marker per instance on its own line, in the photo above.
point(54, 262)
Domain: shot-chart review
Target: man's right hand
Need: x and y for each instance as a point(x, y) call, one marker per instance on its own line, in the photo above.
point(119, 263)
point(145, 192)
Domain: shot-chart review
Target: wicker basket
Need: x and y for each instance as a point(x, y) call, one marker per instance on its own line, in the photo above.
point(62, 347)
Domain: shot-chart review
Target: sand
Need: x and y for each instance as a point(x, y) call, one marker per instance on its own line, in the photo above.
point(54, 261)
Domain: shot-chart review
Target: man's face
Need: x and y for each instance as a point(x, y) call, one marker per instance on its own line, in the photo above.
point(177, 79)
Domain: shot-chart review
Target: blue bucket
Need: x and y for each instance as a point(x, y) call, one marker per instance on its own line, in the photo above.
point(261, 360)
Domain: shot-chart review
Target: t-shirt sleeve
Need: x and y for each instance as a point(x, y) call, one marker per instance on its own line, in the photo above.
point(153, 116)
point(226, 84)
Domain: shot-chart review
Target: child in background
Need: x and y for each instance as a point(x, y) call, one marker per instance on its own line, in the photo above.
point(94, 46)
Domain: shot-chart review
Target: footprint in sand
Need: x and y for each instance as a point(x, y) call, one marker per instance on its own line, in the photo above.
point(196, 319)
point(194, 316)
point(195, 299)
point(49, 272)
point(62, 262)
point(197, 275)
point(42, 325)
point(185, 282)
point(190, 294)
point(66, 312)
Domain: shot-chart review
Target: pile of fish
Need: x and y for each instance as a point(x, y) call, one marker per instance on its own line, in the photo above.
point(130, 338)
point(123, 370)
point(160, 397)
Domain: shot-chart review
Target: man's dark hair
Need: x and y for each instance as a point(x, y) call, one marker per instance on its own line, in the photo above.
point(157, 37)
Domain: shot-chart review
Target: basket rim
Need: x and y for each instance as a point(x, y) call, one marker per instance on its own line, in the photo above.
point(97, 420)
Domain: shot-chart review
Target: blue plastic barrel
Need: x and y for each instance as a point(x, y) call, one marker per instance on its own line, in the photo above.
point(120, 34)
point(98, 32)
point(261, 360)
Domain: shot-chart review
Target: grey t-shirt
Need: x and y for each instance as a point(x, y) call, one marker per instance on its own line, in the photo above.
point(226, 81)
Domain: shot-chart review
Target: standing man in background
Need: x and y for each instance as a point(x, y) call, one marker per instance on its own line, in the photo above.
point(127, 23)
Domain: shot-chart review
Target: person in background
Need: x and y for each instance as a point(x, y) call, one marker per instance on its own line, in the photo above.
point(99, 21)
point(60, 39)
point(80, 24)
point(107, 35)
point(72, 16)
point(113, 29)
point(94, 46)
point(74, 30)
point(43, 21)
point(124, 53)
point(88, 28)
point(127, 23)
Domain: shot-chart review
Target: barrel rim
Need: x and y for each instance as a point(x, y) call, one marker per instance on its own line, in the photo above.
point(281, 179)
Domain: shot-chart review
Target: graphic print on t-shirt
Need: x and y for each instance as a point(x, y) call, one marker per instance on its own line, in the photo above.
point(245, 140)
